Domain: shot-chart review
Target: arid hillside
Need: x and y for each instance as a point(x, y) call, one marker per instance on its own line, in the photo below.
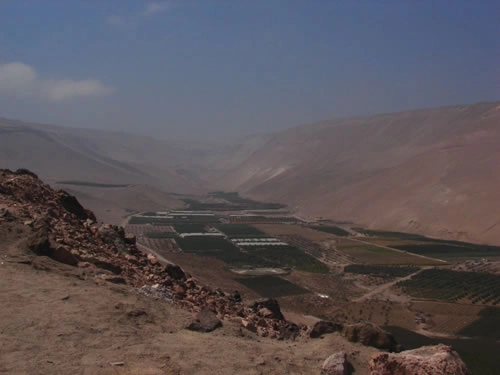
point(429, 171)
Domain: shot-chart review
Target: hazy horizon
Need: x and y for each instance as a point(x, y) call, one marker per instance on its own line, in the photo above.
point(207, 69)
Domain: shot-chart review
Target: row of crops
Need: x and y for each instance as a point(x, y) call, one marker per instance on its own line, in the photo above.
point(454, 286)
point(443, 250)
point(380, 270)
point(270, 256)
point(331, 229)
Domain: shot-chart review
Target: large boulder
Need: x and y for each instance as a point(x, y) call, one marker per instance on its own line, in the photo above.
point(71, 204)
point(205, 321)
point(268, 308)
point(40, 243)
point(336, 364)
point(428, 360)
point(370, 334)
point(322, 327)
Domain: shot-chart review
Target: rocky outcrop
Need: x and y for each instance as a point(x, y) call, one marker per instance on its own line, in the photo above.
point(323, 327)
point(206, 321)
point(268, 308)
point(336, 364)
point(428, 360)
point(66, 232)
point(370, 334)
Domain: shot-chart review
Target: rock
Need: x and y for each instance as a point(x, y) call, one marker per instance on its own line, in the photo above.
point(175, 272)
point(428, 360)
point(370, 334)
point(40, 243)
point(205, 321)
point(114, 279)
point(235, 296)
point(271, 305)
point(130, 239)
point(179, 291)
point(248, 324)
point(322, 327)
point(336, 364)
point(71, 204)
point(136, 313)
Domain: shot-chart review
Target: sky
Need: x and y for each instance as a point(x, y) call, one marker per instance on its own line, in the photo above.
point(205, 69)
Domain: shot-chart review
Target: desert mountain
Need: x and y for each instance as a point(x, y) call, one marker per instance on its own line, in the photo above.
point(429, 171)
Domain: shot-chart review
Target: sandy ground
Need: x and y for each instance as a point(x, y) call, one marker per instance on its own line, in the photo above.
point(54, 319)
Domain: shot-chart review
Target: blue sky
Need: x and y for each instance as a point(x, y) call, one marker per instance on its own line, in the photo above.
point(207, 68)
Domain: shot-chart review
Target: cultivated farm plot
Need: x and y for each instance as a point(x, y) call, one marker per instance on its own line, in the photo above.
point(189, 228)
point(141, 229)
point(432, 247)
point(221, 249)
point(371, 254)
point(289, 256)
point(331, 229)
point(455, 286)
point(240, 231)
point(295, 230)
point(165, 245)
point(449, 318)
point(386, 272)
point(272, 286)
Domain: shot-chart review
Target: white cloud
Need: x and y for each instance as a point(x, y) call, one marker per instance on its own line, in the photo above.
point(21, 80)
point(156, 7)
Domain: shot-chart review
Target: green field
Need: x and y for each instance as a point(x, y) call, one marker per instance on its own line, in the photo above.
point(449, 251)
point(240, 230)
point(331, 229)
point(272, 286)
point(448, 285)
point(289, 256)
point(175, 221)
point(433, 247)
point(380, 270)
point(231, 202)
point(189, 228)
point(271, 256)
point(221, 249)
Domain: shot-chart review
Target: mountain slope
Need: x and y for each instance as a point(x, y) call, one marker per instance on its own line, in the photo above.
point(430, 171)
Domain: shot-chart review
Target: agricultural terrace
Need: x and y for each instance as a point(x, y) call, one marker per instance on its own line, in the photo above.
point(451, 251)
point(366, 253)
point(240, 230)
point(433, 247)
point(331, 229)
point(272, 286)
point(271, 256)
point(386, 272)
point(190, 228)
point(230, 201)
point(455, 286)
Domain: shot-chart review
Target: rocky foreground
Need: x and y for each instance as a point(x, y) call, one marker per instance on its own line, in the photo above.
point(57, 226)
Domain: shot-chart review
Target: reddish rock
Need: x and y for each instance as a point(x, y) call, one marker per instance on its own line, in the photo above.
point(370, 334)
point(428, 360)
point(270, 305)
point(322, 327)
point(336, 364)
point(206, 321)
point(179, 291)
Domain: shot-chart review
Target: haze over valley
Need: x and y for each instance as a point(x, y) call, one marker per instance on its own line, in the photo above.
point(249, 187)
